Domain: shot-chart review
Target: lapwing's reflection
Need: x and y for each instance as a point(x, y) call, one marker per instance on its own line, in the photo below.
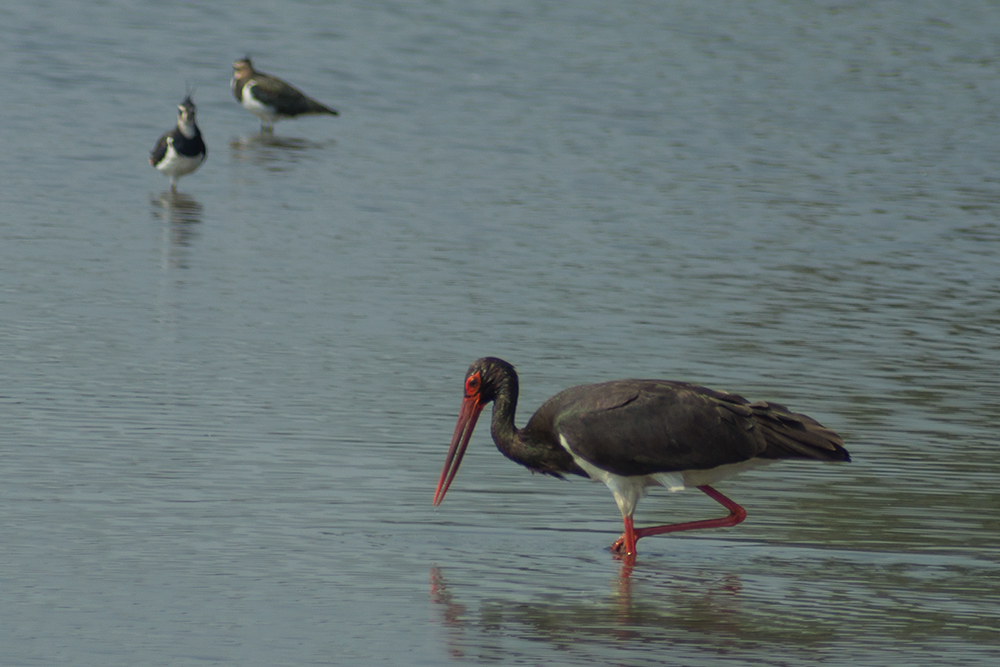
point(182, 215)
point(274, 152)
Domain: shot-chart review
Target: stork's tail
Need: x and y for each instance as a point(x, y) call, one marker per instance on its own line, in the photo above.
point(792, 435)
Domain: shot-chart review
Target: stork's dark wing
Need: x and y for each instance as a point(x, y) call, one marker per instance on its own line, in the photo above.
point(640, 427)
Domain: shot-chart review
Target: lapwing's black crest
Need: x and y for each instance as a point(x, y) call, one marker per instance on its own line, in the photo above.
point(181, 150)
point(269, 98)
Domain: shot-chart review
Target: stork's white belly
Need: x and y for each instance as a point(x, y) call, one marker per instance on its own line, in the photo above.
point(628, 490)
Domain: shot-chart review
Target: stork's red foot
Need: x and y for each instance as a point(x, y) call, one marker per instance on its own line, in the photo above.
point(624, 546)
point(620, 551)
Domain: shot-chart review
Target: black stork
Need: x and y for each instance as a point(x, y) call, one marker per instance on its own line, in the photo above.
point(631, 434)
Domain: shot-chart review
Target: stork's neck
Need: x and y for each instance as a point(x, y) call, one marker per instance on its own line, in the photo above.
point(534, 446)
point(502, 426)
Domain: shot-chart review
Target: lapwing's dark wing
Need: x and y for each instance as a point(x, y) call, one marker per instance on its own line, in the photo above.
point(159, 150)
point(285, 99)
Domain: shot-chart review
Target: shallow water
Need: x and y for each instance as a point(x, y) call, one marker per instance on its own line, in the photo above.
point(225, 411)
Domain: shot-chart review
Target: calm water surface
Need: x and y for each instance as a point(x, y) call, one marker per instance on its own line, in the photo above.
point(224, 412)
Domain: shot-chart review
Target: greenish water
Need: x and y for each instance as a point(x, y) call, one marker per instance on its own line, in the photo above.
point(225, 412)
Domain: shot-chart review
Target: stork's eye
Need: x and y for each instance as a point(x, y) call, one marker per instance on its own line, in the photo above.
point(472, 384)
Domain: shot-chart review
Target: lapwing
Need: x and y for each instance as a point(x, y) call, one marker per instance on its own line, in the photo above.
point(181, 150)
point(269, 98)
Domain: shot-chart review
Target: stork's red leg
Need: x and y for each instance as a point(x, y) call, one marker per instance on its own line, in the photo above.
point(626, 543)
